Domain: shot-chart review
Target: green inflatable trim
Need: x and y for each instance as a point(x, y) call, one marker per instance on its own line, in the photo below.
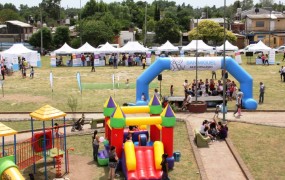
point(118, 122)
point(108, 111)
point(103, 162)
point(5, 163)
point(168, 121)
point(155, 109)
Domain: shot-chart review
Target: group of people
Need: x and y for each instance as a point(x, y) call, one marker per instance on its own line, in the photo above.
point(113, 157)
point(213, 130)
point(128, 60)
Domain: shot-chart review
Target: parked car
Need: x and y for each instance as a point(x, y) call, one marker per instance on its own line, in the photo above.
point(280, 49)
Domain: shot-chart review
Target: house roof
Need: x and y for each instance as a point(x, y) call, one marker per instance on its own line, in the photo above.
point(19, 23)
point(218, 20)
point(266, 16)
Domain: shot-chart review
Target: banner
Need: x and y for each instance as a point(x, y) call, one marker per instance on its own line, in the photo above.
point(96, 60)
point(113, 80)
point(51, 80)
point(238, 58)
point(271, 56)
point(52, 60)
point(148, 58)
point(79, 81)
point(204, 63)
point(77, 60)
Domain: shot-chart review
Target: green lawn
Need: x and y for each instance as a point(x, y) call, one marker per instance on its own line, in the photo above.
point(261, 148)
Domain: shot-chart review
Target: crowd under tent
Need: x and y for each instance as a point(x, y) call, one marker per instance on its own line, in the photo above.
point(12, 54)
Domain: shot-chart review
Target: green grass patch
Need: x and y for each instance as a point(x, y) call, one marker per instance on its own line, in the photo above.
point(93, 86)
point(261, 148)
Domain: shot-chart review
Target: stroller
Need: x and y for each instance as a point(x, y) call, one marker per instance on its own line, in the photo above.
point(78, 125)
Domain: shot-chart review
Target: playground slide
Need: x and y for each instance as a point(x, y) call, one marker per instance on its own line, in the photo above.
point(8, 169)
point(145, 165)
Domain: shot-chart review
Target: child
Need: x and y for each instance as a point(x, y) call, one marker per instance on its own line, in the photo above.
point(218, 107)
point(164, 167)
point(95, 143)
point(127, 84)
point(171, 90)
point(143, 97)
point(32, 72)
point(113, 161)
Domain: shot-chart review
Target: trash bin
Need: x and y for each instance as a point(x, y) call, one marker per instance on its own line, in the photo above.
point(176, 156)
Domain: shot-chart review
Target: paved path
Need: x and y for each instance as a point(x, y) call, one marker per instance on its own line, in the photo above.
point(217, 160)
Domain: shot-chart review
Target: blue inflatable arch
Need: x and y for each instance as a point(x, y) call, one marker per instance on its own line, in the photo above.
point(189, 63)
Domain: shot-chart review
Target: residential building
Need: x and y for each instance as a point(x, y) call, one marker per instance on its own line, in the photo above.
point(193, 22)
point(266, 27)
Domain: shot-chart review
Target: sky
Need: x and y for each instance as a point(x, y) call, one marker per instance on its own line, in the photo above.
point(76, 3)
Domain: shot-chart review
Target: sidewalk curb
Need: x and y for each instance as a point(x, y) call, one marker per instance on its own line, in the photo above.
point(198, 159)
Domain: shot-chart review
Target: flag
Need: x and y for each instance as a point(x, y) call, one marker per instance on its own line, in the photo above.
point(79, 81)
point(113, 79)
point(51, 80)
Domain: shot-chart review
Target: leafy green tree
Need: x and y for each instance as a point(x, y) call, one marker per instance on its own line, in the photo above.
point(247, 4)
point(8, 14)
point(10, 6)
point(35, 39)
point(96, 32)
point(75, 42)
point(266, 3)
point(166, 29)
point(52, 8)
point(211, 31)
point(61, 36)
point(156, 13)
point(89, 9)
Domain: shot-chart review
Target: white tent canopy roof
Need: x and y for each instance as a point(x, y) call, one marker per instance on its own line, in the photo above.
point(107, 48)
point(228, 47)
point(260, 46)
point(201, 46)
point(133, 47)
point(168, 47)
point(65, 49)
point(86, 48)
point(18, 49)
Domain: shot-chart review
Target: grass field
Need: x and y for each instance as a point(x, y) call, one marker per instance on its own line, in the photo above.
point(31, 94)
point(261, 148)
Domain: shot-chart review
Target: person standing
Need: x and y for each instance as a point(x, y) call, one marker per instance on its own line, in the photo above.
point(95, 143)
point(171, 90)
point(238, 105)
point(143, 62)
point(214, 74)
point(92, 63)
point(83, 59)
point(164, 167)
point(283, 56)
point(266, 59)
point(283, 73)
point(32, 72)
point(280, 71)
point(113, 161)
point(3, 72)
point(156, 93)
point(261, 92)
point(115, 63)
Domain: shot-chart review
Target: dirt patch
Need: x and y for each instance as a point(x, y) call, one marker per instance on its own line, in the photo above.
point(24, 98)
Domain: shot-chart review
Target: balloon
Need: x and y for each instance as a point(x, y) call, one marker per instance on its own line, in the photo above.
point(101, 139)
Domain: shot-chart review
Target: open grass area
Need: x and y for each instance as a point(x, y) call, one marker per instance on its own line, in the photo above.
point(261, 148)
point(31, 94)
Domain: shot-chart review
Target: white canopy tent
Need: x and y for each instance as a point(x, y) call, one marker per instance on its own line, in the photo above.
point(260, 46)
point(86, 48)
point(65, 49)
point(201, 46)
point(228, 47)
point(107, 48)
point(168, 47)
point(11, 56)
point(133, 47)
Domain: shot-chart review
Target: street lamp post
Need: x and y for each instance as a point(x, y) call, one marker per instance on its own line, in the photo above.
point(41, 33)
point(224, 66)
point(145, 22)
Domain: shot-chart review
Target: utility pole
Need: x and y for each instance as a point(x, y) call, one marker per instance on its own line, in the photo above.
point(224, 66)
point(145, 20)
point(80, 25)
point(41, 32)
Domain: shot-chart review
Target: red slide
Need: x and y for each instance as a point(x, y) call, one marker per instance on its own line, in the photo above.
point(145, 165)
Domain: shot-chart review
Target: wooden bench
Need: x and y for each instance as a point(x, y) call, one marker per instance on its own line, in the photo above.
point(200, 140)
point(94, 123)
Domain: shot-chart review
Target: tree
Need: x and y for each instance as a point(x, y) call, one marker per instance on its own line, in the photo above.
point(266, 3)
point(89, 9)
point(10, 6)
point(156, 13)
point(211, 31)
point(52, 8)
point(166, 29)
point(247, 4)
point(8, 14)
point(35, 39)
point(61, 36)
point(96, 32)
